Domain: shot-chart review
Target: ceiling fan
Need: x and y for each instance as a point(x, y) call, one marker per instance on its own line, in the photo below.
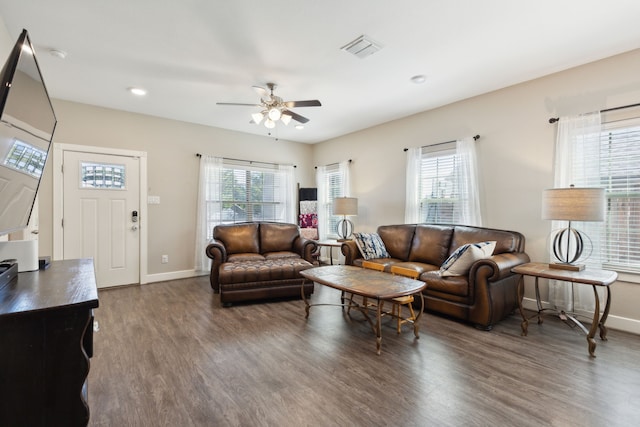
point(274, 108)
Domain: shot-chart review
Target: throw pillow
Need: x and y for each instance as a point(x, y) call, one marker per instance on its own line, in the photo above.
point(371, 245)
point(461, 260)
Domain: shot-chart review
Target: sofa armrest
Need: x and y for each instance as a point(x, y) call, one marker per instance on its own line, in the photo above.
point(216, 251)
point(502, 264)
point(218, 254)
point(305, 248)
point(350, 251)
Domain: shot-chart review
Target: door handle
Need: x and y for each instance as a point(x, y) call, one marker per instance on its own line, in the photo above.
point(134, 227)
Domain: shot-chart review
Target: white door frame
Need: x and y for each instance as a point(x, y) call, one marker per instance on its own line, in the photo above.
point(58, 197)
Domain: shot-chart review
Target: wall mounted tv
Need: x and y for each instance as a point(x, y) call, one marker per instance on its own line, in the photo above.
point(27, 123)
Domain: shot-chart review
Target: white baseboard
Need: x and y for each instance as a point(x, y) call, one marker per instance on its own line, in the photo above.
point(613, 322)
point(173, 275)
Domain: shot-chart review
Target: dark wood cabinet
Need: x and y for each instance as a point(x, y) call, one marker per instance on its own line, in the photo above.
point(46, 340)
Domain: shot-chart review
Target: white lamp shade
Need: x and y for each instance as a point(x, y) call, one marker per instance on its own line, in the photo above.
point(573, 204)
point(257, 117)
point(269, 124)
point(285, 118)
point(274, 114)
point(345, 206)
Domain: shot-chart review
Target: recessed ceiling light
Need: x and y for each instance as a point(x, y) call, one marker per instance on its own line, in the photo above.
point(418, 79)
point(299, 127)
point(60, 54)
point(137, 91)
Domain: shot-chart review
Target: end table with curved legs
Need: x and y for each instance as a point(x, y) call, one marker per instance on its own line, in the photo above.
point(592, 277)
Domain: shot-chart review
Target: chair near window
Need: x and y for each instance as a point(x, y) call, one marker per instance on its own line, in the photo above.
point(396, 309)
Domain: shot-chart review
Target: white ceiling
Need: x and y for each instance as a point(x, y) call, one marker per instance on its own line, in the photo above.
point(190, 54)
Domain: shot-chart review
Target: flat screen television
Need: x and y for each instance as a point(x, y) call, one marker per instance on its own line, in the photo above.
point(27, 123)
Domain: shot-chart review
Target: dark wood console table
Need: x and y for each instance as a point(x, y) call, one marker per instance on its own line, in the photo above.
point(46, 340)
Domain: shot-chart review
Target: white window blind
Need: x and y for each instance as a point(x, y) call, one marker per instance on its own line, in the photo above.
point(613, 163)
point(619, 168)
point(439, 195)
point(251, 193)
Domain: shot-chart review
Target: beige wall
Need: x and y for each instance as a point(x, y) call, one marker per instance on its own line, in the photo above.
point(515, 153)
point(171, 148)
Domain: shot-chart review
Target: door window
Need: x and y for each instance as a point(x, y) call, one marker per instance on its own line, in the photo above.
point(102, 176)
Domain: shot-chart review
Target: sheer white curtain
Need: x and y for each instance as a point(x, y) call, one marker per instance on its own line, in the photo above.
point(577, 153)
point(286, 194)
point(413, 179)
point(323, 200)
point(343, 170)
point(209, 206)
point(467, 179)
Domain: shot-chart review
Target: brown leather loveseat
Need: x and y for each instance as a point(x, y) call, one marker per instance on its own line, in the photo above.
point(259, 260)
point(483, 296)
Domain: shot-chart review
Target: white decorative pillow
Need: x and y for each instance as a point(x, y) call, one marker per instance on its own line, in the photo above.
point(459, 262)
point(371, 245)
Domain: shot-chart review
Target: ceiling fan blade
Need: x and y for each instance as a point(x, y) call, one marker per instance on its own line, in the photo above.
point(236, 103)
point(308, 103)
point(262, 93)
point(295, 116)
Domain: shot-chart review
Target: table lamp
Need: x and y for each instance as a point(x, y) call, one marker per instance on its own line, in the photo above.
point(571, 204)
point(345, 206)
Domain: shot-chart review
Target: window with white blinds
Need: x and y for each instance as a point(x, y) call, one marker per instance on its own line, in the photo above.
point(250, 193)
point(439, 195)
point(613, 163)
point(334, 186)
point(619, 173)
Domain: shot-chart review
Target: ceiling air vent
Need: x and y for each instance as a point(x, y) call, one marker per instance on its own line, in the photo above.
point(362, 47)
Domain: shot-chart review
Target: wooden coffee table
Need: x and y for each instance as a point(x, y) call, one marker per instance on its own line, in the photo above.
point(374, 285)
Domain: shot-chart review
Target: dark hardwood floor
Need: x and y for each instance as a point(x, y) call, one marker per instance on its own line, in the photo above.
point(168, 354)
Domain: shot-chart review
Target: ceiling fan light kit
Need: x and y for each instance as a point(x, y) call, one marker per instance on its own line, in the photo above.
point(274, 108)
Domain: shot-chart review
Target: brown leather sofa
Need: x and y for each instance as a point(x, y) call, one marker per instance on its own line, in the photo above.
point(487, 294)
point(259, 260)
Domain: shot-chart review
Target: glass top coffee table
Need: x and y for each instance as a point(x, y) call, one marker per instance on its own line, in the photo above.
point(374, 285)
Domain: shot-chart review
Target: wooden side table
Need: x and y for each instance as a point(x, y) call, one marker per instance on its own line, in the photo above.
point(591, 277)
point(330, 244)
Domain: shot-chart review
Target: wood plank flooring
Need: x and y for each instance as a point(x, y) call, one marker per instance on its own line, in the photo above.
point(168, 354)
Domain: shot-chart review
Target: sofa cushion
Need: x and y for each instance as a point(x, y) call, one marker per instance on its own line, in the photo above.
point(238, 238)
point(506, 241)
point(397, 239)
point(263, 271)
point(460, 261)
point(276, 237)
point(281, 254)
point(242, 257)
point(430, 244)
point(371, 245)
point(452, 285)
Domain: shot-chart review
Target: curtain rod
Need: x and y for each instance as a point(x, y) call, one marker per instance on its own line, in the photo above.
point(333, 164)
point(555, 119)
point(475, 138)
point(250, 161)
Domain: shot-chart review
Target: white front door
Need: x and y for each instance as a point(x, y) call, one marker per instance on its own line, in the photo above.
point(101, 213)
